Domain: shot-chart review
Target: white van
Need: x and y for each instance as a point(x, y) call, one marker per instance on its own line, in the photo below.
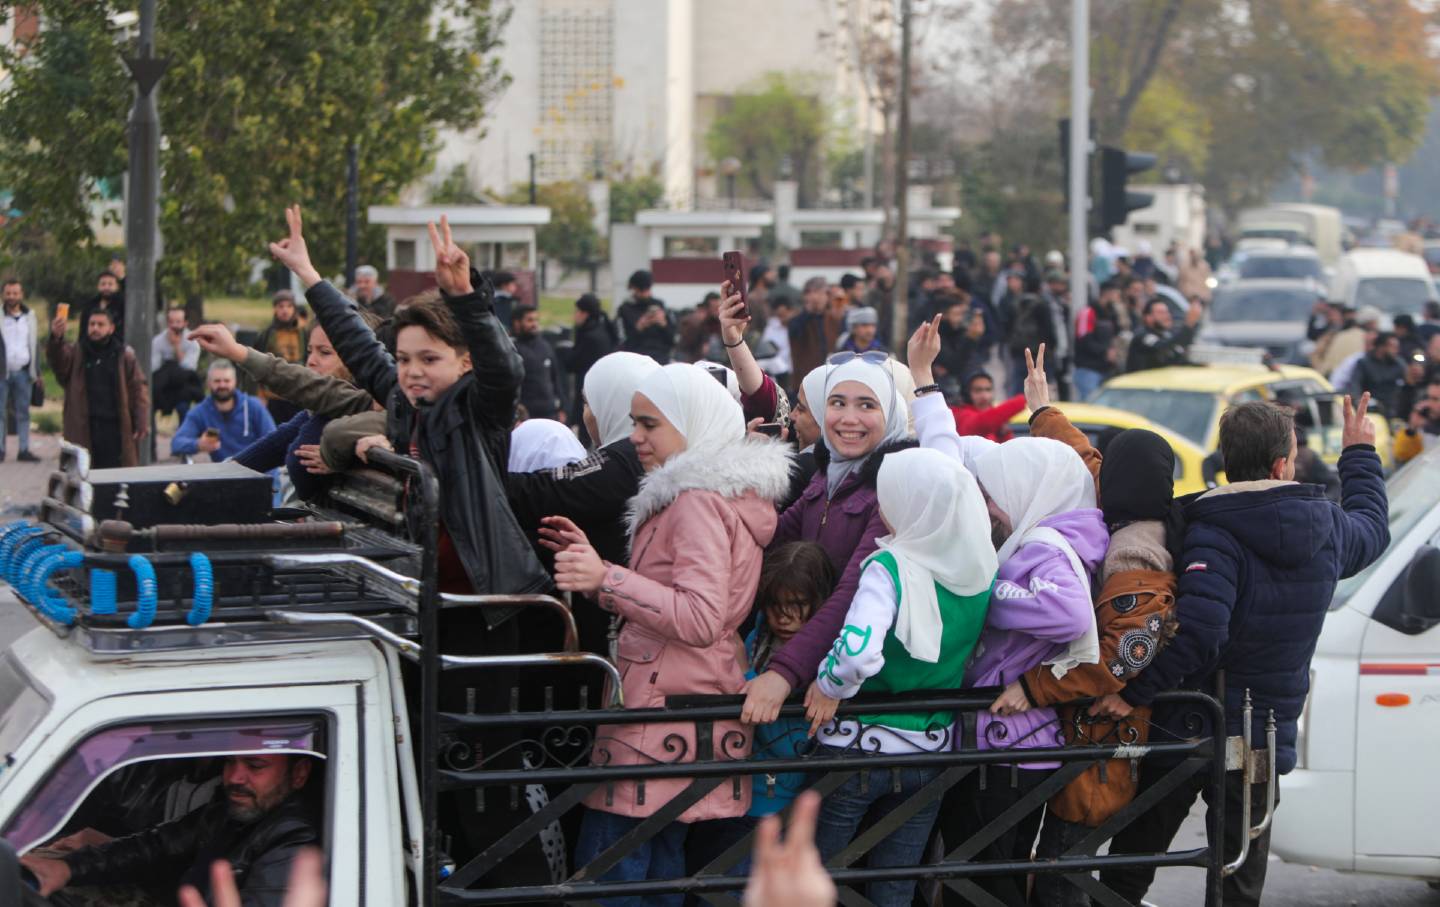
point(1365, 795)
point(1395, 282)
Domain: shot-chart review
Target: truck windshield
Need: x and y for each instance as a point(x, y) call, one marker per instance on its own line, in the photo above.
point(1413, 492)
point(22, 705)
point(1393, 295)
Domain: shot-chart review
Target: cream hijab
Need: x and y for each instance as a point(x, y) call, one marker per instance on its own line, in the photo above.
point(879, 382)
point(609, 387)
point(940, 535)
point(696, 404)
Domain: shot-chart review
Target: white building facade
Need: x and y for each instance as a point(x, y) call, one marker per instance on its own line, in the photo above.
point(627, 86)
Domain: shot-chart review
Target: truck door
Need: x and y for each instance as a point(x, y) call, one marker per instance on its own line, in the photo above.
point(1398, 718)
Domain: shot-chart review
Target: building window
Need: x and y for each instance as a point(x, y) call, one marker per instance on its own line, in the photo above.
point(405, 254)
point(577, 90)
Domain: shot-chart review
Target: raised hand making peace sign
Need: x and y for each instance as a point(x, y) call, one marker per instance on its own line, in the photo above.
point(1358, 427)
point(452, 265)
point(292, 251)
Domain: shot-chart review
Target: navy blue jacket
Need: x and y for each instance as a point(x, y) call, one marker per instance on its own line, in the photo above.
point(280, 447)
point(1257, 573)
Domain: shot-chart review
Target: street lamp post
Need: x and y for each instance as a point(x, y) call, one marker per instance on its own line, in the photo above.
point(142, 201)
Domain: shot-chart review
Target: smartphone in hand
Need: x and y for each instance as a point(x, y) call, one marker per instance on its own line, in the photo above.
point(735, 273)
point(772, 429)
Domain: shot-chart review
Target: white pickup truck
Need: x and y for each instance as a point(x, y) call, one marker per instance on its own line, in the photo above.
point(1365, 794)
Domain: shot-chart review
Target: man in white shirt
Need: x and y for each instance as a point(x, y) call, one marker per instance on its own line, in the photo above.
point(174, 366)
point(19, 341)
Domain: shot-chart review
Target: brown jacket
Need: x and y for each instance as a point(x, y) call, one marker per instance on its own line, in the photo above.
point(134, 396)
point(1135, 615)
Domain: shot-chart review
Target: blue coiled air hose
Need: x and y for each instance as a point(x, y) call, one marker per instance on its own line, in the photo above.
point(102, 591)
point(18, 547)
point(55, 604)
point(204, 595)
point(146, 592)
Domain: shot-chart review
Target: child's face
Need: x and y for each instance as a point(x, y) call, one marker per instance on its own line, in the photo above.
point(784, 622)
point(426, 365)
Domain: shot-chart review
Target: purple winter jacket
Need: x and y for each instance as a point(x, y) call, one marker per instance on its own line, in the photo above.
point(846, 526)
point(1037, 607)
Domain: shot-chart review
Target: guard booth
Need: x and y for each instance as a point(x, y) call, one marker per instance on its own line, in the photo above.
point(116, 583)
point(496, 237)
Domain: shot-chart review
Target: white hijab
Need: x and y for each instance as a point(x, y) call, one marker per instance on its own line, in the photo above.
point(695, 403)
point(897, 415)
point(941, 535)
point(1033, 479)
point(543, 444)
point(609, 387)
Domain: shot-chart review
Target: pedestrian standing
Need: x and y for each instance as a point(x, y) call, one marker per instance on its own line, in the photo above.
point(19, 349)
point(542, 391)
point(283, 337)
point(224, 423)
point(595, 338)
point(369, 295)
point(109, 295)
point(646, 323)
point(174, 364)
point(107, 399)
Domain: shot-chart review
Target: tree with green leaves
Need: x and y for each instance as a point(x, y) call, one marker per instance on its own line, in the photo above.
point(257, 108)
point(781, 118)
point(570, 237)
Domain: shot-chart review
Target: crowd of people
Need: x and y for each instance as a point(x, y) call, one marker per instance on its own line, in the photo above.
point(873, 536)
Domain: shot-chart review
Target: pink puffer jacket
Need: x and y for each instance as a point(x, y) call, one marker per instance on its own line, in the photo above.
point(702, 521)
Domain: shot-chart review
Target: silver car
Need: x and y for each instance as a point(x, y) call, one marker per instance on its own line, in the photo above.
point(1270, 315)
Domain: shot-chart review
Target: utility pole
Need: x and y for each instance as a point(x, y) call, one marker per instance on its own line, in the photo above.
point(1079, 173)
point(899, 319)
point(142, 202)
point(352, 213)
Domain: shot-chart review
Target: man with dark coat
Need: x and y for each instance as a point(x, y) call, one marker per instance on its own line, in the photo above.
point(647, 324)
point(595, 338)
point(1257, 571)
point(1158, 343)
point(1095, 332)
point(258, 826)
point(107, 397)
point(542, 390)
point(369, 295)
point(109, 295)
point(1380, 373)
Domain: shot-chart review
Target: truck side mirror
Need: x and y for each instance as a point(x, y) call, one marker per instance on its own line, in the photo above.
point(1421, 603)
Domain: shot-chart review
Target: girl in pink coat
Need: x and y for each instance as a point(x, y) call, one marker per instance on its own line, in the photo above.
point(699, 526)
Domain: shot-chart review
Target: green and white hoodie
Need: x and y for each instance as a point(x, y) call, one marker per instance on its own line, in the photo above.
point(868, 653)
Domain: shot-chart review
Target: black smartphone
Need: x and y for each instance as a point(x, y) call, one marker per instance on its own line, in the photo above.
point(772, 429)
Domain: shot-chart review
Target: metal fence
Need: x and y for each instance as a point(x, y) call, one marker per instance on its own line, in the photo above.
point(530, 769)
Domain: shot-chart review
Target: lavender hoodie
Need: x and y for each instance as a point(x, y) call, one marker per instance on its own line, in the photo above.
point(1037, 607)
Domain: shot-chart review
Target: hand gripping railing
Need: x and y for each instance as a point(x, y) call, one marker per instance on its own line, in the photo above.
point(1248, 778)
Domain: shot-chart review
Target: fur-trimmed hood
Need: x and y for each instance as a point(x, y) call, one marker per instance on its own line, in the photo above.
point(751, 464)
point(870, 469)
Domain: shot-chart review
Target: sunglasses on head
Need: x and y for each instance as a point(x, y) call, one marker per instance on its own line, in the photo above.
point(874, 357)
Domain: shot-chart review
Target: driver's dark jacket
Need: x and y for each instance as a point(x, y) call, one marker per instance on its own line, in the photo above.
point(464, 435)
point(180, 852)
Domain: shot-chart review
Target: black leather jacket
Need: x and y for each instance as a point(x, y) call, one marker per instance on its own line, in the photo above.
point(180, 852)
point(464, 435)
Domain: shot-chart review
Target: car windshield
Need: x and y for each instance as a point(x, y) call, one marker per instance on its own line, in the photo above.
point(1412, 493)
point(1188, 413)
point(1393, 295)
point(22, 705)
point(1295, 267)
point(1262, 305)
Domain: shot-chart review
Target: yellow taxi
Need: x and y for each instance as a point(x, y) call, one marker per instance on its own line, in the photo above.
point(1101, 424)
point(1189, 400)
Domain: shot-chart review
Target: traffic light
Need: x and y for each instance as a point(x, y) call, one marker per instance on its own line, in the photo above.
point(1116, 202)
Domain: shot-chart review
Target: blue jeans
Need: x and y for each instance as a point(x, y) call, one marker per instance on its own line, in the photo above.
point(843, 812)
point(1087, 380)
point(16, 386)
point(661, 857)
